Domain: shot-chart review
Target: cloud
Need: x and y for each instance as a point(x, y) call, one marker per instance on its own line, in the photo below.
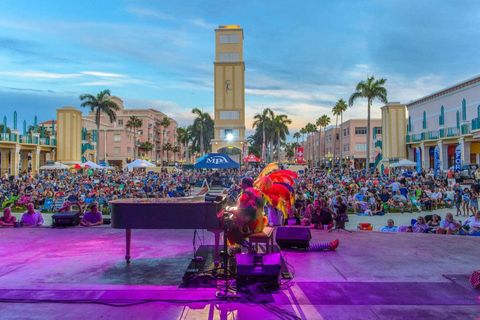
point(198, 22)
point(103, 74)
point(39, 74)
point(147, 13)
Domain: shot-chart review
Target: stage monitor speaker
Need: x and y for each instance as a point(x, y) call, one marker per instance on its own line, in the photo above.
point(293, 237)
point(261, 269)
point(66, 219)
point(209, 197)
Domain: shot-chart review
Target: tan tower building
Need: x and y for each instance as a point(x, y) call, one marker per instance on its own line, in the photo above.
point(69, 139)
point(229, 91)
point(394, 130)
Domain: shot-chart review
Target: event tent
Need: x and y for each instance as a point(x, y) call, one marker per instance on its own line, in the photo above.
point(139, 163)
point(54, 166)
point(216, 161)
point(252, 158)
point(403, 163)
point(91, 165)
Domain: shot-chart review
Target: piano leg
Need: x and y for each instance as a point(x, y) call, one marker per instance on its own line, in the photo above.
point(128, 238)
point(216, 257)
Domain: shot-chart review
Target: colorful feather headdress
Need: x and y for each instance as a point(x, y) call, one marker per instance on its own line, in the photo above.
point(277, 187)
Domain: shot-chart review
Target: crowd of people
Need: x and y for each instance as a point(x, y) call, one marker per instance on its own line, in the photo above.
point(322, 196)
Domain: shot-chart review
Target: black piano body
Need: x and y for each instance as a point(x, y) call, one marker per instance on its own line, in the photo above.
point(167, 213)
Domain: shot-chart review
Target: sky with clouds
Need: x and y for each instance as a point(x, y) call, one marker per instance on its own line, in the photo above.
point(300, 56)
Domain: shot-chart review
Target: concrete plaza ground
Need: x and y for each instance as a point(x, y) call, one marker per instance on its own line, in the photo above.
point(78, 273)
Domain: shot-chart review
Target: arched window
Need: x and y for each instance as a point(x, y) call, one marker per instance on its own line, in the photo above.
point(458, 119)
point(424, 120)
point(464, 109)
point(441, 120)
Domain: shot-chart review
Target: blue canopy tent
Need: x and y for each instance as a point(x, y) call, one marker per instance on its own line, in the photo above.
point(216, 161)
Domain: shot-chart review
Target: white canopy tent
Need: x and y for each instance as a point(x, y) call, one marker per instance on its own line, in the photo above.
point(403, 163)
point(91, 165)
point(55, 166)
point(139, 163)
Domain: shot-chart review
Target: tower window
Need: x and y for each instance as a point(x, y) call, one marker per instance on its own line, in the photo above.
point(228, 57)
point(229, 115)
point(229, 38)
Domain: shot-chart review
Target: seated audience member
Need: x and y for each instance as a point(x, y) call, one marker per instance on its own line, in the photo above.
point(93, 217)
point(325, 215)
point(420, 226)
point(31, 218)
point(390, 227)
point(7, 220)
point(449, 225)
point(471, 226)
point(434, 223)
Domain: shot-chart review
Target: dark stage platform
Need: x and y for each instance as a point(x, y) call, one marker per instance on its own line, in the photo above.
point(80, 273)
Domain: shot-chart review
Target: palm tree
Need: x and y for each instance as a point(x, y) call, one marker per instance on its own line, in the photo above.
point(303, 131)
point(101, 103)
point(147, 146)
point(167, 147)
point(297, 135)
point(263, 120)
point(310, 128)
point(341, 107)
point(323, 122)
point(280, 129)
point(200, 123)
point(370, 89)
point(338, 109)
point(165, 123)
point(175, 150)
point(184, 136)
point(134, 123)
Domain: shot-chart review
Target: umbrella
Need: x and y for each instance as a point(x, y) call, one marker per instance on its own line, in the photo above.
point(77, 166)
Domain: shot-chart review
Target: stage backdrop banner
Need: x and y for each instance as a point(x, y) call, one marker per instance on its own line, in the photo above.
point(418, 156)
point(299, 155)
point(436, 161)
point(458, 158)
point(216, 161)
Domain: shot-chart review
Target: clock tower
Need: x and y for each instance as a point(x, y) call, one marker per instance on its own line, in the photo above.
point(229, 88)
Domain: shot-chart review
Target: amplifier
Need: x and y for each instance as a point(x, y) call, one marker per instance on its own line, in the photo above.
point(258, 269)
point(293, 237)
point(66, 219)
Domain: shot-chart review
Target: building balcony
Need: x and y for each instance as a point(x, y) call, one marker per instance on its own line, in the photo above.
point(453, 132)
point(8, 137)
point(433, 135)
point(475, 124)
point(465, 128)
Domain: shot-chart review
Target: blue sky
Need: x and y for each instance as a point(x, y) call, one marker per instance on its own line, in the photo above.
point(300, 56)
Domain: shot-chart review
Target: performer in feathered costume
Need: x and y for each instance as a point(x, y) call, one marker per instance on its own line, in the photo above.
point(275, 186)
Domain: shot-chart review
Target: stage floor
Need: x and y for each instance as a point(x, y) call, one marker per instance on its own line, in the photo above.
point(371, 276)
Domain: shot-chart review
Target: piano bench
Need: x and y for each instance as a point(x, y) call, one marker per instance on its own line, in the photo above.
point(266, 236)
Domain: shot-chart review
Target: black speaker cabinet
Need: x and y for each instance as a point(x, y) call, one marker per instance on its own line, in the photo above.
point(261, 269)
point(66, 219)
point(293, 237)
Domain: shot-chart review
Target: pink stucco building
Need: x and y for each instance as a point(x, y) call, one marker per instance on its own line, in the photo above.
point(347, 142)
point(116, 141)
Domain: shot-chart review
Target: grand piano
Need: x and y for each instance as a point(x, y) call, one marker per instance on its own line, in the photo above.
point(168, 213)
